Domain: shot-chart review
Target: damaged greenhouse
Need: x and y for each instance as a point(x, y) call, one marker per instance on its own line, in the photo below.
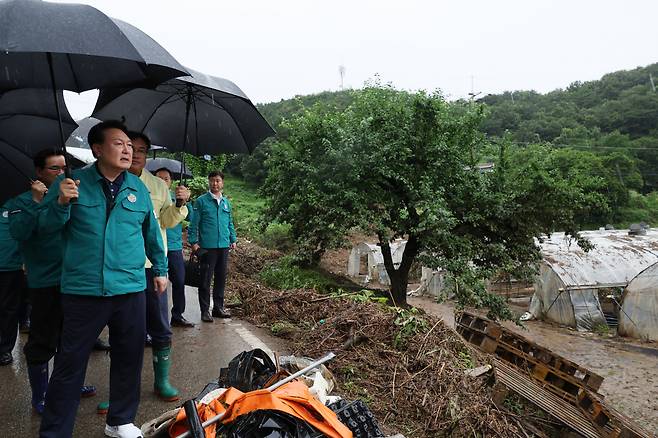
point(366, 261)
point(584, 289)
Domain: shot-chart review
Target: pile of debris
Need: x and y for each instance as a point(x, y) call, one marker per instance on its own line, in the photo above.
point(408, 367)
point(256, 397)
point(558, 386)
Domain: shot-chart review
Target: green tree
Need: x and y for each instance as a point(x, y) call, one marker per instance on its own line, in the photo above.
point(309, 183)
point(402, 165)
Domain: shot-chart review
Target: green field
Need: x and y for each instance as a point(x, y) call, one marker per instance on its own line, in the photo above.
point(247, 205)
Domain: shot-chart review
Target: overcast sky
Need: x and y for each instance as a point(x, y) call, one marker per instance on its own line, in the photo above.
point(277, 49)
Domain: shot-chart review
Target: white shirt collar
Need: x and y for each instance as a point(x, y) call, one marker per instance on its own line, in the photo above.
point(217, 198)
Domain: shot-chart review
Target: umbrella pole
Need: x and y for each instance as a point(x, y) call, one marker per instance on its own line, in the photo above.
point(67, 170)
point(187, 120)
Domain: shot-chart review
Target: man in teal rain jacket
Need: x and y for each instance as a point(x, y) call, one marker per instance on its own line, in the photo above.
point(42, 255)
point(109, 228)
point(11, 285)
point(212, 231)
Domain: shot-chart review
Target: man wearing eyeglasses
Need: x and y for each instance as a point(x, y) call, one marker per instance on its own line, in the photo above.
point(42, 256)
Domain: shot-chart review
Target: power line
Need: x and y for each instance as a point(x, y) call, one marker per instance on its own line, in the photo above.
point(565, 146)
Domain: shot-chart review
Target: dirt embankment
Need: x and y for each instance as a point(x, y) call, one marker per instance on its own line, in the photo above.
point(407, 365)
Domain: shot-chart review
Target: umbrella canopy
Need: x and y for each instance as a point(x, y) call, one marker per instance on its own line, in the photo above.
point(75, 47)
point(28, 124)
point(29, 120)
point(200, 114)
point(173, 166)
point(17, 169)
point(82, 48)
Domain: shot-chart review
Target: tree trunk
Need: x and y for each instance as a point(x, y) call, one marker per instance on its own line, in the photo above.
point(399, 277)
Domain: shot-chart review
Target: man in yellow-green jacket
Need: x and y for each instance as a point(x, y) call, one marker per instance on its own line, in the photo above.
point(169, 215)
point(109, 228)
point(211, 231)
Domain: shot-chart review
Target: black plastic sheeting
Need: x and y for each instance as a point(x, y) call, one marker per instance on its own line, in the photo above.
point(248, 371)
point(268, 424)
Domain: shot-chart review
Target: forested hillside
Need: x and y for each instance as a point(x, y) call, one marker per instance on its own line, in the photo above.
point(608, 126)
point(617, 113)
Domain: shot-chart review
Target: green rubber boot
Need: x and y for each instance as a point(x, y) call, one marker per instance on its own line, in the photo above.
point(103, 407)
point(161, 365)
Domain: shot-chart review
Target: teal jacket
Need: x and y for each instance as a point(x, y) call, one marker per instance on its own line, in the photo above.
point(105, 255)
point(42, 252)
point(212, 223)
point(175, 234)
point(10, 257)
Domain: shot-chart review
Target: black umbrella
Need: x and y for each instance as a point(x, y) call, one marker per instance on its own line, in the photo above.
point(29, 121)
point(28, 124)
point(75, 47)
point(173, 166)
point(17, 171)
point(200, 114)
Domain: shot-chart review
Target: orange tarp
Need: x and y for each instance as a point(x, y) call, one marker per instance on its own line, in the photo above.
point(292, 398)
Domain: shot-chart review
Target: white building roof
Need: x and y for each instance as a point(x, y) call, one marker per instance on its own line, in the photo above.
point(614, 261)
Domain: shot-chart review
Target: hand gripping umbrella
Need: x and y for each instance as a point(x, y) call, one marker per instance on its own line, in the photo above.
point(199, 114)
point(75, 47)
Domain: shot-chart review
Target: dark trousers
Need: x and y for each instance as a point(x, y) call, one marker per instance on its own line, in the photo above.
point(213, 262)
point(157, 315)
point(12, 285)
point(46, 325)
point(177, 278)
point(25, 307)
point(84, 319)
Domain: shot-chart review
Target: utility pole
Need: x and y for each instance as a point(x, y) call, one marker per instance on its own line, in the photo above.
point(653, 86)
point(473, 94)
point(341, 72)
point(621, 180)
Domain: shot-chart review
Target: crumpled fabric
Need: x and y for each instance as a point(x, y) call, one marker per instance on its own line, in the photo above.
point(292, 398)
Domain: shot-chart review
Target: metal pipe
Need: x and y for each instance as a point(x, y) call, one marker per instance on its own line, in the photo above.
point(278, 384)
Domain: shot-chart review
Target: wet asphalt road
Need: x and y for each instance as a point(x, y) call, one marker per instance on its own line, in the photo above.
point(198, 353)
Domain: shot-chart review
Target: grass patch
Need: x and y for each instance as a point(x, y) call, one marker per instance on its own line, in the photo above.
point(601, 329)
point(284, 274)
point(277, 236)
point(283, 329)
point(247, 206)
point(641, 208)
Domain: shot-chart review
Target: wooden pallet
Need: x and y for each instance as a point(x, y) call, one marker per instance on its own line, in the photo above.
point(528, 388)
point(521, 358)
point(608, 422)
point(493, 338)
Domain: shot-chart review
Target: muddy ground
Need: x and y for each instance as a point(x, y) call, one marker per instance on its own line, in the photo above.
point(629, 368)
